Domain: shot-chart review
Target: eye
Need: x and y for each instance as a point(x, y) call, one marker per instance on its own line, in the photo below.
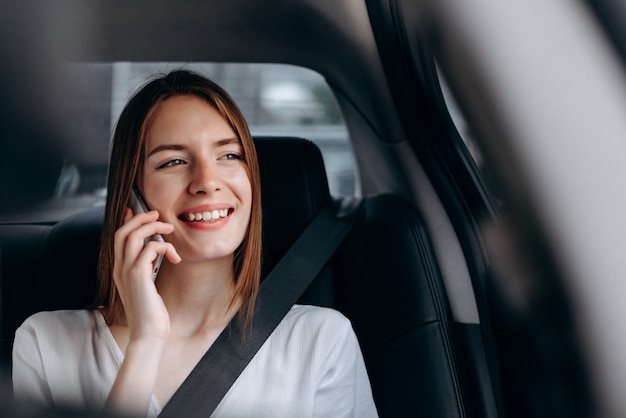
point(172, 163)
point(232, 156)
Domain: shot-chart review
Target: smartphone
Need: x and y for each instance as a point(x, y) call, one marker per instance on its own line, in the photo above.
point(138, 205)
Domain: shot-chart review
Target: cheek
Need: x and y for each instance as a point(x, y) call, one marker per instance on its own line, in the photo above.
point(159, 194)
point(246, 193)
point(240, 184)
point(243, 189)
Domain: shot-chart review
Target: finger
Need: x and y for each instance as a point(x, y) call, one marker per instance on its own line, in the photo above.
point(172, 255)
point(130, 242)
point(141, 218)
point(130, 224)
point(151, 228)
point(144, 232)
point(128, 214)
point(133, 234)
point(133, 223)
point(153, 250)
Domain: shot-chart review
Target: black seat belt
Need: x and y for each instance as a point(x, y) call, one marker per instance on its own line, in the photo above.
point(210, 380)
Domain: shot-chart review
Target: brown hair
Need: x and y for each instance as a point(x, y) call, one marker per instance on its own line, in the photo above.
point(126, 158)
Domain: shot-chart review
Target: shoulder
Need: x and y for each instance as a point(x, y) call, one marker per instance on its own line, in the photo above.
point(315, 315)
point(51, 336)
point(58, 323)
point(316, 323)
point(59, 318)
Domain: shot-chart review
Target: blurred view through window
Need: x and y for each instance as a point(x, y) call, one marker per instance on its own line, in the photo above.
point(275, 99)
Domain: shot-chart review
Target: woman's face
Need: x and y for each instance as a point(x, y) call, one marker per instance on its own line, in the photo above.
point(195, 176)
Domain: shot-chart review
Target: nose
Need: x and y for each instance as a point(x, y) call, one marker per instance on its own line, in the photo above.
point(205, 179)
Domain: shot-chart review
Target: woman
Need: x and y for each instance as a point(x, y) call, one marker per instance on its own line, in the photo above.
point(184, 144)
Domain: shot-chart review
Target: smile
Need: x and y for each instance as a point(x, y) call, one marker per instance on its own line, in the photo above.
point(205, 216)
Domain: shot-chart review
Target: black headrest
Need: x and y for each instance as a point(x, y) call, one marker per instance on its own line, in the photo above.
point(294, 189)
point(67, 274)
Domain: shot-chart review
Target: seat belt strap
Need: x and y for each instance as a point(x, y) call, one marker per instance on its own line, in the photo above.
point(215, 373)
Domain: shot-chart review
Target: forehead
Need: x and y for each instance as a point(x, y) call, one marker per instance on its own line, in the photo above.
point(185, 116)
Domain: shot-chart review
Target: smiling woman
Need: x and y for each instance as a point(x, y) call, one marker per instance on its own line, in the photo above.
point(191, 150)
point(157, 112)
point(183, 142)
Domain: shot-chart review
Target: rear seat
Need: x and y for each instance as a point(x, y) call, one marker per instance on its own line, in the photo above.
point(384, 277)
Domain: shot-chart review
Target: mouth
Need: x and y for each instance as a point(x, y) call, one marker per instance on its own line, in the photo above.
point(206, 216)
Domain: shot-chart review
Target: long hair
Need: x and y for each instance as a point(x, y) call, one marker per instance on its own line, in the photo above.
point(127, 156)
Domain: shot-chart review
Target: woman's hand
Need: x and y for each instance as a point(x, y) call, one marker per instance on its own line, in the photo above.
point(145, 311)
point(146, 314)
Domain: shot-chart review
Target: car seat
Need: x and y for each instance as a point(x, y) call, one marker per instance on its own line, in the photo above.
point(384, 277)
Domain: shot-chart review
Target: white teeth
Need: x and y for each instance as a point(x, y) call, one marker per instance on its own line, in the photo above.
point(207, 216)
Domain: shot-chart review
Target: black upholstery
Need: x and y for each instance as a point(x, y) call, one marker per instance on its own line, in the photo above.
point(384, 277)
point(68, 269)
point(292, 192)
point(390, 287)
point(53, 267)
point(294, 188)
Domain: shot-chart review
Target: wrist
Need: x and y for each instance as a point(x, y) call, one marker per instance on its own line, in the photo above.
point(144, 344)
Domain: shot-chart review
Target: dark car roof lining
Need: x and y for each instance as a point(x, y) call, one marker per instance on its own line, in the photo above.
point(332, 37)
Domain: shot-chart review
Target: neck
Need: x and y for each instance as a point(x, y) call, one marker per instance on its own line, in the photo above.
point(198, 295)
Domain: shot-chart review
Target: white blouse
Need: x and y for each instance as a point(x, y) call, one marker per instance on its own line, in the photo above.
point(311, 366)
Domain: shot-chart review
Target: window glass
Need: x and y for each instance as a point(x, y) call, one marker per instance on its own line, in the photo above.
point(275, 99)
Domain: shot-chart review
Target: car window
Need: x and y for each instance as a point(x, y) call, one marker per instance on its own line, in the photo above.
point(276, 99)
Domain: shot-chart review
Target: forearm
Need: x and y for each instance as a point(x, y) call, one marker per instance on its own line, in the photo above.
point(135, 382)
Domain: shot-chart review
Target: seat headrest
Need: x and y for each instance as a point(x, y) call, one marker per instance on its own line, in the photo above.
point(67, 274)
point(294, 188)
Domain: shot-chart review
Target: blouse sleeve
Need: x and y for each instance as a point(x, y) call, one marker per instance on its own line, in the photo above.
point(29, 381)
point(344, 390)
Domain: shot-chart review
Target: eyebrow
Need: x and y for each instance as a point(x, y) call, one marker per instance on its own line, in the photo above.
point(177, 147)
point(166, 147)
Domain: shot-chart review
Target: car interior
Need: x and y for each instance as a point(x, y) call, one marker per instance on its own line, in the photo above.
point(445, 330)
point(406, 330)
